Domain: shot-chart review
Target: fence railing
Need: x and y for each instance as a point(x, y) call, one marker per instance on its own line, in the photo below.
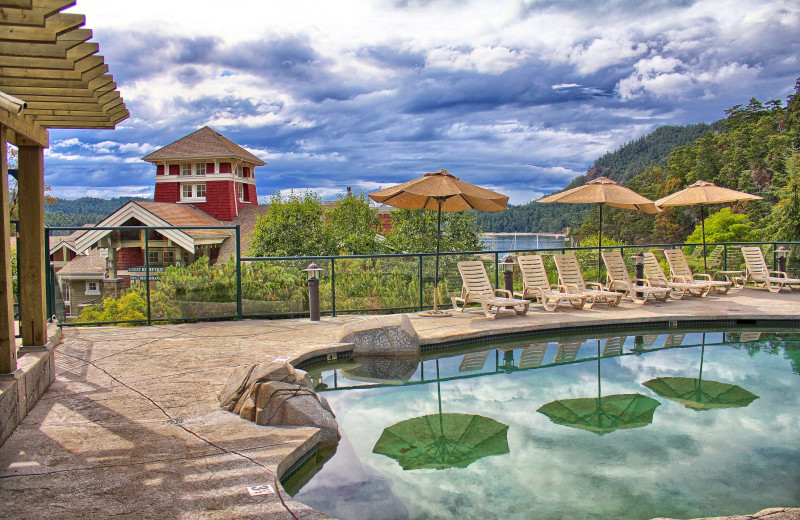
point(276, 287)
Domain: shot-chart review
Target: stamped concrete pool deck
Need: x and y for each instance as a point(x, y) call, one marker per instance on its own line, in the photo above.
point(132, 428)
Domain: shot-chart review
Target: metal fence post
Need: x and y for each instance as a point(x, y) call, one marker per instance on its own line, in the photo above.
point(725, 257)
point(238, 276)
point(420, 281)
point(333, 287)
point(774, 256)
point(147, 272)
point(496, 269)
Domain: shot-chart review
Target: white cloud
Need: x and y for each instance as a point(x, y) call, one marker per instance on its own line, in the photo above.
point(604, 52)
point(489, 60)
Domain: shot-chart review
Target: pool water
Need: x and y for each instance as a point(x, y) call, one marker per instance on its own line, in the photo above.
point(714, 431)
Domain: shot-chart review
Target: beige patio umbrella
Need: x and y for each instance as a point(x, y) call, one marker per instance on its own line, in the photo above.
point(699, 194)
point(603, 192)
point(440, 191)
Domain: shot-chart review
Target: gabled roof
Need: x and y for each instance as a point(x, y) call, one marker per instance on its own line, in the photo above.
point(162, 214)
point(204, 143)
point(93, 263)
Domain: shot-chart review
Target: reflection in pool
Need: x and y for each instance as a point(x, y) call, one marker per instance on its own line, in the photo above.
point(679, 425)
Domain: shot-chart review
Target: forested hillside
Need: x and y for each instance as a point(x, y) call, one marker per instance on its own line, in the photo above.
point(85, 210)
point(629, 160)
point(758, 152)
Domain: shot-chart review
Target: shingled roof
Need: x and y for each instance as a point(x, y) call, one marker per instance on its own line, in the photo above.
point(185, 215)
point(202, 144)
point(92, 263)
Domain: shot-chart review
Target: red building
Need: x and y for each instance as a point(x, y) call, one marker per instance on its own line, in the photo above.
point(208, 171)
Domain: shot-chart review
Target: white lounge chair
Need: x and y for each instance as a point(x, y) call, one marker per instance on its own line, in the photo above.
point(619, 279)
point(679, 289)
point(681, 272)
point(477, 288)
point(759, 274)
point(569, 275)
point(535, 284)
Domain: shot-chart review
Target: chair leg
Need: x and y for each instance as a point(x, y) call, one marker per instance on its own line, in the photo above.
point(490, 310)
point(455, 301)
point(550, 304)
point(522, 310)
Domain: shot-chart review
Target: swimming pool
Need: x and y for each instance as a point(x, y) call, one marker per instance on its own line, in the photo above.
point(629, 426)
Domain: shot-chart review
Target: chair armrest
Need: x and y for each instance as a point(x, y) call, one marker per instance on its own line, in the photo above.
point(619, 284)
point(644, 281)
point(569, 289)
point(599, 286)
point(503, 292)
point(778, 274)
point(704, 276)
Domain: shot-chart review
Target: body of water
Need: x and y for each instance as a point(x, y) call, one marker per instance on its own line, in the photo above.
point(622, 426)
point(521, 241)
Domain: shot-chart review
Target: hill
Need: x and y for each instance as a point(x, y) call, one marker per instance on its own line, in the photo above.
point(84, 210)
point(628, 161)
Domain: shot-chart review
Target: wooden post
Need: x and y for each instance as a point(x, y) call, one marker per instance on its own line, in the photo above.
point(31, 246)
point(8, 348)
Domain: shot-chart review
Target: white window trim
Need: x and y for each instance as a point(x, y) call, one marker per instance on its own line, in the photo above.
point(92, 292)
point(201, 172)
point(194, 197)
point(240, 190)
point(190, 170)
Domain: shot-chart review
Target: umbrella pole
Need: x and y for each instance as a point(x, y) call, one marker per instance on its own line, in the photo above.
point(600, 245)
point(703, 225)
point(436, 271)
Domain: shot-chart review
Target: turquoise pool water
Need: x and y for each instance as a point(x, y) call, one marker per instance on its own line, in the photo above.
point(733, 450)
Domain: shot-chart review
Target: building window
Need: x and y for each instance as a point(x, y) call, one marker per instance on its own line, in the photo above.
point(186, 170)
point(186, 258)
point(239, 171)
point(186, 191)
point(200, 191)
point(240, 187)
point(200, 169)
point(169, 257)
point(92, 287)
point(65, 291)
point(154, 257)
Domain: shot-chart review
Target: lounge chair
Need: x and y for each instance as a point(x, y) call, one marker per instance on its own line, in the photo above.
point(613, 346)
point(567, 351)
point(679, 289)
point(532, 355)
point(535, 284)
point(569, 275)
point(617, 277)
point(473, 361)
point(759, 274)
point(681, 272)
point(478, 289)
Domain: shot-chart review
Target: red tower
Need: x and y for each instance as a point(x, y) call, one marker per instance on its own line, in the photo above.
point(207, 170)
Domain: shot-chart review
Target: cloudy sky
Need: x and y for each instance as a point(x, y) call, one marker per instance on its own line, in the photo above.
point(518, 95)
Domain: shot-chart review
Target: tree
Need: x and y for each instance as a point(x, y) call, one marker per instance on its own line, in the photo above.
point(293, 227)
point(13, 198)
point(784, 220)
point(414, 231)
point(725, 226)
point(354, 224)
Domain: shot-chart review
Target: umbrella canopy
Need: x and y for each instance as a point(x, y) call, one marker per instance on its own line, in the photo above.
point(604, 192)
point(440, 441)
point(602, 415)
point(440, 191)
point(697, 394)
point(699, 194)
point(441, 187)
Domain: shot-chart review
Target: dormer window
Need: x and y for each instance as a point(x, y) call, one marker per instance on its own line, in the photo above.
point(200, 169)
point(186, 170)
point(239, 171)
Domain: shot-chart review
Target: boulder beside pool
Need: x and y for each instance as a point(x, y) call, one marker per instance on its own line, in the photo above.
point(391, 335)
point(277, 394)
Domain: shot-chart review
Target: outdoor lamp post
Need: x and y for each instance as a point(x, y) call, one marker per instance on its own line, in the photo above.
point(313, 290)
point(508, 273)
point(638, 261)
point(782, 253)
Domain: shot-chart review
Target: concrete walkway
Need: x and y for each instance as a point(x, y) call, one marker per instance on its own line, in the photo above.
point(132, 427)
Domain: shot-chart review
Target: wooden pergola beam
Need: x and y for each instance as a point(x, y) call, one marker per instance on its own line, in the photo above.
point(54, 25)
point(57, 49)
point(35, 15)
point(24, 130)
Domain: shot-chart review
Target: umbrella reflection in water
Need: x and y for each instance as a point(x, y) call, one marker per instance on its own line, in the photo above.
point(602, 414)
point(697, 394)
point(443, 440)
